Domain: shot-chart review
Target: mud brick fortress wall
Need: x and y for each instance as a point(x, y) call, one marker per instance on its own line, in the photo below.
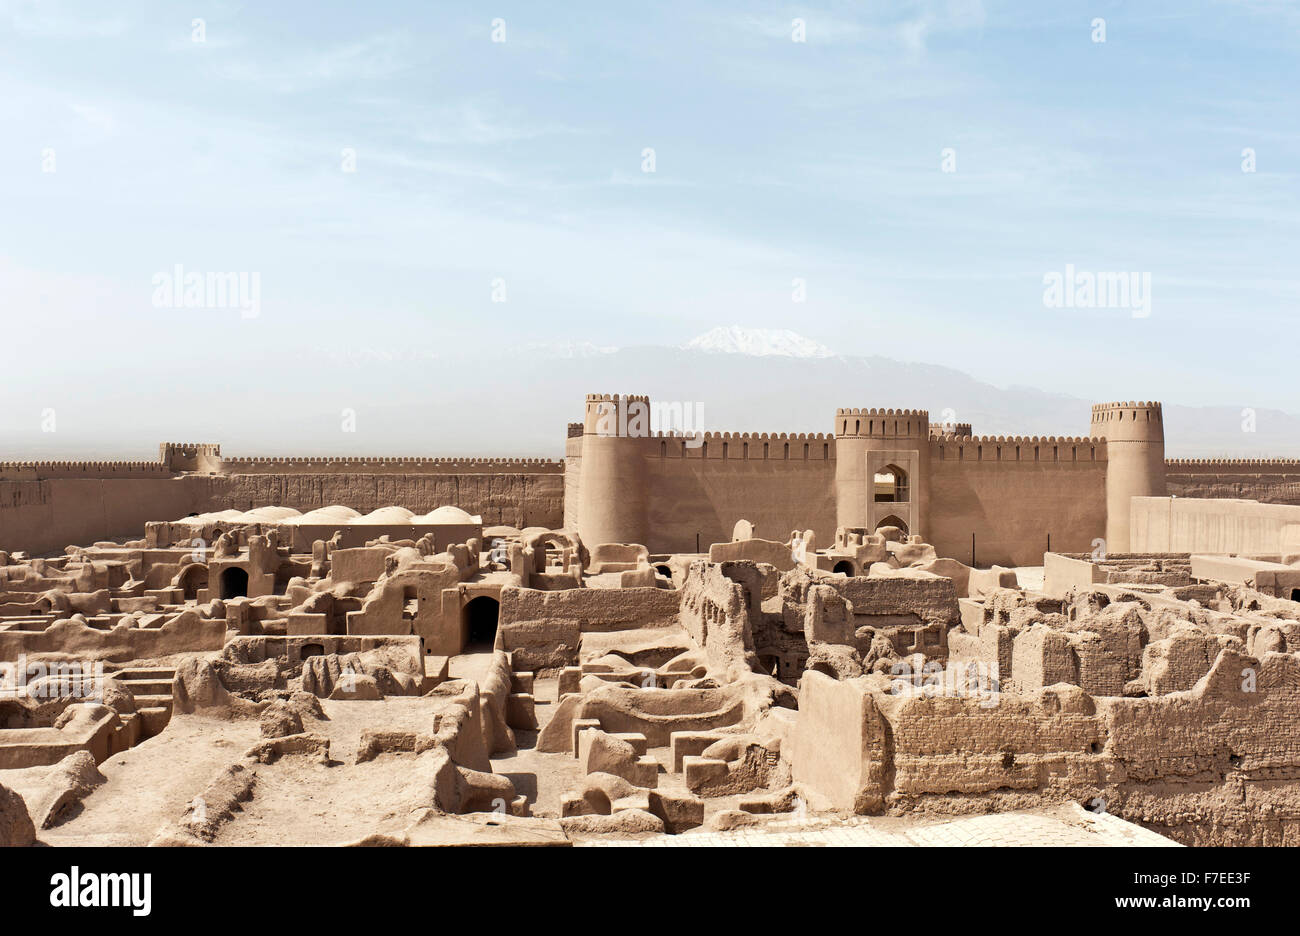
point(1011, 493)
point(675, 494)
point(664, 490)
point(1269, 481)
point(46, 505)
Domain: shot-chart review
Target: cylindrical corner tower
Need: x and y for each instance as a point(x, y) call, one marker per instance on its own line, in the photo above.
point(892, 443)
point(1135, 461)
point(612, 489)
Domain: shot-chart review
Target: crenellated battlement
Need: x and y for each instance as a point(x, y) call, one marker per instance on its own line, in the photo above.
point(882, 424)
point(1123, 417)
point(188, 448)
point(1232, 464)
point(950, 430)
point(1108, 407)
point(908, 413)
point(191, 456)
point(1041, 449)
point(40, 470)
point(389, 465)
point(1031, 440)
point(746, 436)
point(617, 398)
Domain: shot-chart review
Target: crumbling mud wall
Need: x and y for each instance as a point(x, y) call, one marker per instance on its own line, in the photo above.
point(542, 629)
point(1218, 764)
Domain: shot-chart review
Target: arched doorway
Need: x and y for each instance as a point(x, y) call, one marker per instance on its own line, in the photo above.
point(192, 578)
point(843, 567)
point(893, 521)
point(891, 485)
point(480, 617)
point(234, 583)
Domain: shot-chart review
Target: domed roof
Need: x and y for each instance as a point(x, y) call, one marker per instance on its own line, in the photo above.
point(447, 514)
point(267, 514)
point(335, 513)
point(219, 516)
point(390, 514)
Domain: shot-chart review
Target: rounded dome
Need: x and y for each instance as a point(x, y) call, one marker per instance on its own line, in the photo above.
point(219, 516)
point(267, 514)
point(335, 513)
point(390, 514)
point(447, 514)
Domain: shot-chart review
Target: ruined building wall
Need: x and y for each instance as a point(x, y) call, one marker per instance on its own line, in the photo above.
point(1218, 764)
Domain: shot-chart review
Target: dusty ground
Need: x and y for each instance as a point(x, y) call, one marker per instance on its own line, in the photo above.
point(150, 786)
point(300, 801)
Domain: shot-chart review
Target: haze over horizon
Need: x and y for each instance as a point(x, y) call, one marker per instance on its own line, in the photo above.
point(517, 401)
point(450, 219)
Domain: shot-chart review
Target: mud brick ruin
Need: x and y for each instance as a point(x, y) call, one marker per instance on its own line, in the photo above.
point(862, 634)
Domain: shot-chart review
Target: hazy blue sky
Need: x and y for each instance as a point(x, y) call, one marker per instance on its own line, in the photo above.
point(522, 160)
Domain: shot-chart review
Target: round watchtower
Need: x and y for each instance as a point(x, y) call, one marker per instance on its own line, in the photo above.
point(612, 486)
point(1135, 462)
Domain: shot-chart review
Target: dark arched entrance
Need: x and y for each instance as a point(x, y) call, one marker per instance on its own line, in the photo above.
point(234, 583)
point(481, 623)
point(843, 566)
point(193, 578)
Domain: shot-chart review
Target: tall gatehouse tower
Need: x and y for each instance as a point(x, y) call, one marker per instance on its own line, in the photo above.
point(1135, 456)
point(881, 468)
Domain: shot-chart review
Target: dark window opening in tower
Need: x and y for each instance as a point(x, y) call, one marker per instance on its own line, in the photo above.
point(891, 485)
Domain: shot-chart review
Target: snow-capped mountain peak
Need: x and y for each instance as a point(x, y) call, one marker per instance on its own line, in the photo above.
point(757, 342)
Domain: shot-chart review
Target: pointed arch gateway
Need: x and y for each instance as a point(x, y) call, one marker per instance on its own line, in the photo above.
point(893, 521)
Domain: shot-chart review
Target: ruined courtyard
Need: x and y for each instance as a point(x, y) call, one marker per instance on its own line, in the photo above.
point(409, 674)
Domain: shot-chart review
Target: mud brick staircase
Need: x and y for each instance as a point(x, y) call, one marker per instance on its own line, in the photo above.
point(152, 689)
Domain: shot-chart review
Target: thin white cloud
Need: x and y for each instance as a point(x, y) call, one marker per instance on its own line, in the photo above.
point(374, 57)
point(98, 117)
point(48, 19)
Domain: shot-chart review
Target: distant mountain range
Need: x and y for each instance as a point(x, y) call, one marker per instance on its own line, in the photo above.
point(517, 401)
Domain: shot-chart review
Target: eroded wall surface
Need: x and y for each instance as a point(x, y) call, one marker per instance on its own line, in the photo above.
point(1267, 481)
point(45, 515)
